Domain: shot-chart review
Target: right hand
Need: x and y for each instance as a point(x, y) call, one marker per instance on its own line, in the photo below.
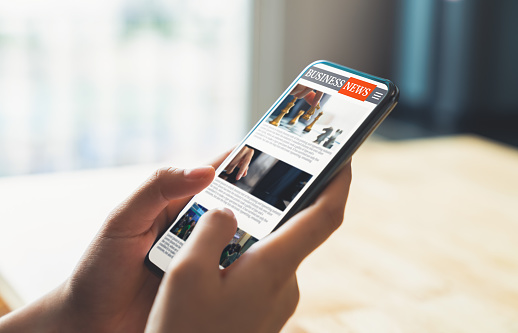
point(258, 292)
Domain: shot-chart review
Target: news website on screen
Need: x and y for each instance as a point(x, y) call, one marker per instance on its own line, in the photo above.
point(281, 157)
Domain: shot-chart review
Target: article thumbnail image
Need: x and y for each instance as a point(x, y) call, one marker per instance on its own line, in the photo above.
point(265, 177)
point(237, 246)
point(185, 225)
point(304, 113)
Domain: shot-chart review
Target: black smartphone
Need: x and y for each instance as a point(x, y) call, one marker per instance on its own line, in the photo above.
point(286, 160)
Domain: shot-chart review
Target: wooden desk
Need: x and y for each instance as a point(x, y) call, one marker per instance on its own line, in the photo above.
point(429, 242)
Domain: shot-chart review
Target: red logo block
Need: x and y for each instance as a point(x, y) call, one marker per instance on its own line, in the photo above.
point(357, 89)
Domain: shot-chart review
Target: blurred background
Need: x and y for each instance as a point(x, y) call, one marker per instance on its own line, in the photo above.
point(106, 83)
point(92, 84)
point(94, 95)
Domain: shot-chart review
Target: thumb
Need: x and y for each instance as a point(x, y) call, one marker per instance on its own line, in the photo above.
point(138, 212)
point(213, 232)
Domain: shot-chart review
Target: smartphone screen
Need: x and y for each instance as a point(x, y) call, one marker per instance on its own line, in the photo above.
point(278, 161)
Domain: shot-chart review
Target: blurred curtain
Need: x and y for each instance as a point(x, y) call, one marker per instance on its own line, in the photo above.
point(457, 68)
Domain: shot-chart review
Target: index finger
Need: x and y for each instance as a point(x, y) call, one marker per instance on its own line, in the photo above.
point(302, 234)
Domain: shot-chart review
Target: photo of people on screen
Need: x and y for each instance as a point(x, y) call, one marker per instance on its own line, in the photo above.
point(237, 246)
point(265, 177)
point(185, 225)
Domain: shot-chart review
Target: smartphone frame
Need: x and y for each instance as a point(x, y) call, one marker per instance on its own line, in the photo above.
point(373, 120)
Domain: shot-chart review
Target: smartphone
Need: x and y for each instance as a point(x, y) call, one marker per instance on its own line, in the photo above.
point(287, 159)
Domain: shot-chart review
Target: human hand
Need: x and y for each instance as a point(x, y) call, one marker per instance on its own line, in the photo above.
point(111, 290)
point(241, 161)
point(258, 292)
point(301, 91)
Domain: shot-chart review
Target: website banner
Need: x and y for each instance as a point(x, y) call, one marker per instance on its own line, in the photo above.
point(350, 86)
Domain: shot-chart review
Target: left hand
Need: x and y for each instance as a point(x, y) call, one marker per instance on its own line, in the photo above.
point(111, 290)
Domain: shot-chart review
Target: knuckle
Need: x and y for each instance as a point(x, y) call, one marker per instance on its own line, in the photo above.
point(294, 298)
point(115, 213)
point(161, 173)
point(289, 298)
point(159, 177)
point(334, 217)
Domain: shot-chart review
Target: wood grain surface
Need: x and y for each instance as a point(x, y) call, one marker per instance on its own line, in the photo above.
point(429, 243)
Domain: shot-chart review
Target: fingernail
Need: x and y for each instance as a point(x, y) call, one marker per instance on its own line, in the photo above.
point(227, 211)
point(197, 173)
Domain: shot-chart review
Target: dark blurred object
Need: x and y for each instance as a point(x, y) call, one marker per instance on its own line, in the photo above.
point(457, 67)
